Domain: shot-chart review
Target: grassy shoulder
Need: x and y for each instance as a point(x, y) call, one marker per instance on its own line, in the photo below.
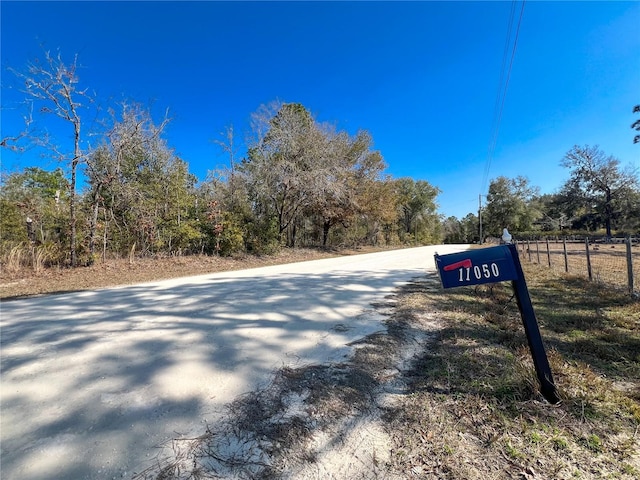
point(22, 282)
point(474, 410)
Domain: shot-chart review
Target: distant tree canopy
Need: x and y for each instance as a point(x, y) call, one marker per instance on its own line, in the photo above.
point(510, 204)
point(599, 191)
point(599, 195)
point(418, 208)
point(466, 230)
point(307, 179)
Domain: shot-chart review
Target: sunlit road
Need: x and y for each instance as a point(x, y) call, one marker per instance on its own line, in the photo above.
point(92, 383)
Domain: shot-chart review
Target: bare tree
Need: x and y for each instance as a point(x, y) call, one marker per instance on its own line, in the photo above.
point(227, 144)
point(599, 181)
point(52, 85)
point(128, 174)
point(14, 142)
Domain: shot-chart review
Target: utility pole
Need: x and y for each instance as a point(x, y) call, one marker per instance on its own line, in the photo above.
point(480, 216)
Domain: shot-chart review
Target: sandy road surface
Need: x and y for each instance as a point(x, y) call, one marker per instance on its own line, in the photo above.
point(92, 383)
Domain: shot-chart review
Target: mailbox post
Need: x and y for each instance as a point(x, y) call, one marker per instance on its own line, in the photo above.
point(499, 264)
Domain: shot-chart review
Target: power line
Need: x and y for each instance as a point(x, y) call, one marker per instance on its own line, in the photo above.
point(499, 96)
point(502, 89)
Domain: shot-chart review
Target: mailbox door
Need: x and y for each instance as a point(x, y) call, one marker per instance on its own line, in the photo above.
point(475, 267)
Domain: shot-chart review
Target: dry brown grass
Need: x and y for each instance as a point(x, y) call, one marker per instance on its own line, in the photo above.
point(475, 412)
point(18, 279)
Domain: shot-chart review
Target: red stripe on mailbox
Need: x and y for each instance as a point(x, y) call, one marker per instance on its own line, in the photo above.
point(466, 263)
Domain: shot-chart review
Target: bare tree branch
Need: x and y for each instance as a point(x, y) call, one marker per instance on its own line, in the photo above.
point(52, 86)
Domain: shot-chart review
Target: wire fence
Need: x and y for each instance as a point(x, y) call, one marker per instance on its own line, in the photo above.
point(614, 262)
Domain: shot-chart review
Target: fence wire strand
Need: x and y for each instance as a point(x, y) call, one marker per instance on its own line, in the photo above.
point(603, 262)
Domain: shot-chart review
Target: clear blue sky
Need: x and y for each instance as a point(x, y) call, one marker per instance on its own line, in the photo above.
point(422, 77)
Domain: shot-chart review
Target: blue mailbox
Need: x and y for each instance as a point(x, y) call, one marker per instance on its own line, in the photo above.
point(475, 267)
point(500, 264)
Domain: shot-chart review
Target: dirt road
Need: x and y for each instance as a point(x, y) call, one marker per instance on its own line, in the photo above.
point(94, 383)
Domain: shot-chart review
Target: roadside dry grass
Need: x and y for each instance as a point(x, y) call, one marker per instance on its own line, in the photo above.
point(474, 410)
point(24, 281)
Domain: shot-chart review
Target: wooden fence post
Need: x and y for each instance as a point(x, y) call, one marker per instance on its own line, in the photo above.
point(566, 259)
point(538, 251)
point(629, 265)
point(548, 253)
point(586, 244)
point(529, 249)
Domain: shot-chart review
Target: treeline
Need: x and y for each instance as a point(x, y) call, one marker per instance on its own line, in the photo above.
point(600, 197)
point(299, 182)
